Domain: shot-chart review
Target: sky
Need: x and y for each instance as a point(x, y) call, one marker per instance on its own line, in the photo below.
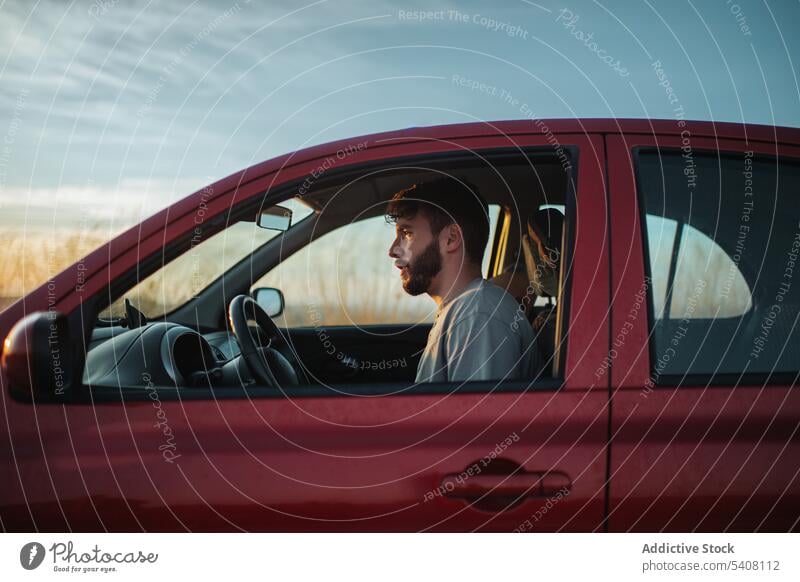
point(111, 110)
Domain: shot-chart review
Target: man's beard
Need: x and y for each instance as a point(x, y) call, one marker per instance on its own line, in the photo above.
point(419, 273)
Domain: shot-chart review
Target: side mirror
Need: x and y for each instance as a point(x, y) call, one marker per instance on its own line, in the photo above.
point(275, 218)
point(270, 300)
point(37, 357)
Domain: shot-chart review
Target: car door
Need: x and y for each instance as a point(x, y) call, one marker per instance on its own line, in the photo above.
point(705, 345)
point(524, 456)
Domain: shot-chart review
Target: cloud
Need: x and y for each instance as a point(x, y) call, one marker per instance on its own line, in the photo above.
point(121, 206)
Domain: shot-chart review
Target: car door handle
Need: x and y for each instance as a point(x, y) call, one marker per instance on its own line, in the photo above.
point(522, 484)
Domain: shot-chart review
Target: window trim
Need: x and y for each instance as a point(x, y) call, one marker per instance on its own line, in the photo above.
point(384, 389)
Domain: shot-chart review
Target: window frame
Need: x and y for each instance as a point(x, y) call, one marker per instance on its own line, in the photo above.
point(218, 222)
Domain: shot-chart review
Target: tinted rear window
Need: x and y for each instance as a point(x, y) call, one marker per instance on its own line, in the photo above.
point(723, 254)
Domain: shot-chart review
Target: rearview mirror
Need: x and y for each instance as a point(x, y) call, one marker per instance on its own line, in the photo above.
point(270, 300)
point(275, 218)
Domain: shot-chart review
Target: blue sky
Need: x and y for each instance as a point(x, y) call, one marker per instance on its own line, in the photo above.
point(112, 109)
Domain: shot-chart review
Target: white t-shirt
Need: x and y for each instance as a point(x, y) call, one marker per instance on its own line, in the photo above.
point(480, 334)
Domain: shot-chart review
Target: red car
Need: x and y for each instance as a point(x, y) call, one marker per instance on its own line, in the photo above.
point(244, 359)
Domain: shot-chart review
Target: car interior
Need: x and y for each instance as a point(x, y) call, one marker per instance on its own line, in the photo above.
point(226, 336)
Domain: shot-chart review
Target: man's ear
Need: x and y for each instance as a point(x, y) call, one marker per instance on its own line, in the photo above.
point(452, 238)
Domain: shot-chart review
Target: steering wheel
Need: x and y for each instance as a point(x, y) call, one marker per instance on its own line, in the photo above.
point(268, 366)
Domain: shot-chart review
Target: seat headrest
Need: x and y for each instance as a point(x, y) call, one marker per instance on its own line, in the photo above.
point(542, 249)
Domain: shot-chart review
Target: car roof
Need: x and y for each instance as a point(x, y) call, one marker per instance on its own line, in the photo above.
point(712, 129)
point(720, 130)
point(707, 129)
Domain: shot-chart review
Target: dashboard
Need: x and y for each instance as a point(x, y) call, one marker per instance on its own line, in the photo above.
point(163, 354)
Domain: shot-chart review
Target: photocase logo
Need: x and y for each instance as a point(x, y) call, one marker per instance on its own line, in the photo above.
point(31, 555)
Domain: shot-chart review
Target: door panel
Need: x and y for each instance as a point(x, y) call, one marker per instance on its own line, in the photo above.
point(374, 353)
point(312, 464)
point(689, 453)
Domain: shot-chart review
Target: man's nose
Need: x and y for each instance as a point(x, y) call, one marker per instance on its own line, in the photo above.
point(393, 249)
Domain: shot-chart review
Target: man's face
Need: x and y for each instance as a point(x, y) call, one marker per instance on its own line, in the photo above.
point(416, 253)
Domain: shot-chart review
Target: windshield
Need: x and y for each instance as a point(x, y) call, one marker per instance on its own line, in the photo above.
point(206, 260)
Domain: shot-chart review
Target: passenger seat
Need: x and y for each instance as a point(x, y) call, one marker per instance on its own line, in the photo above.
point(542, 250)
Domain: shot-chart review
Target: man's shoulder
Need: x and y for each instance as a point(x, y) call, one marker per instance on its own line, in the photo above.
point(484, 300)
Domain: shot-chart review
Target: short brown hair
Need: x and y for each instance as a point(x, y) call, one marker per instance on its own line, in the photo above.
point(445, 201)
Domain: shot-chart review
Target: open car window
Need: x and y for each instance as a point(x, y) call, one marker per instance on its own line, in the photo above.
point(346, 277)
point(321, 283)
point(207, 258)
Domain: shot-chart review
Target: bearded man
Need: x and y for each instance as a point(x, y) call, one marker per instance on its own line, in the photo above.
point(442, 228)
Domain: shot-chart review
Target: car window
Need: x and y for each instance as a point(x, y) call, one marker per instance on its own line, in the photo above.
point(346, 277)
point(207, 258)
point(723, 237)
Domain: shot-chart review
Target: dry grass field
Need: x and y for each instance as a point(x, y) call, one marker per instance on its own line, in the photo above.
point(30, 258)
point(345, 279)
